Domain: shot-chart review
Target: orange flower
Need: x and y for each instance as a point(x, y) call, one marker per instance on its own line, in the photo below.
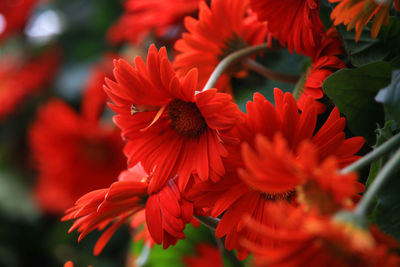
point(169, 128)
point(295, 23)
point(305, 239)
point(142, 17)
point(232, 198)
point(20, 78)
point(222, 28)
point(357, 13)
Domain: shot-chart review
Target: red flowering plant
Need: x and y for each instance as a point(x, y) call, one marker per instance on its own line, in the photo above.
point(222, 132)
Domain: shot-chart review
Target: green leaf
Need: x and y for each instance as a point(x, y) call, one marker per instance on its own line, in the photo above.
point(390, 98)
point(353, 91)
point(382, 135)
point(367, 49)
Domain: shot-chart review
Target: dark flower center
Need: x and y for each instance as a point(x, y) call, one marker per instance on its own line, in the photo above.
point(186, 118)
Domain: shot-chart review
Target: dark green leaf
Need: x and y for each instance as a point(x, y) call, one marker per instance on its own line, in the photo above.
point(390, 97)
point(353, 91)
point(367, 49)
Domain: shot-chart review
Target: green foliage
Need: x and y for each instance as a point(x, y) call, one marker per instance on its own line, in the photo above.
point(390, 98)
point(353, 91)
point(367, 50)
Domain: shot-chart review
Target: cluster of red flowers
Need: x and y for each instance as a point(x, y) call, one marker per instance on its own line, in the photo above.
point(270, 177)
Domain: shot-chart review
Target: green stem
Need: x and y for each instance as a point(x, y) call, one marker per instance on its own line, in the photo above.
point(210, 222)
point(253, 65)
point(373, 155)
point(227, 61)
point(299, 88)
point(380, 180)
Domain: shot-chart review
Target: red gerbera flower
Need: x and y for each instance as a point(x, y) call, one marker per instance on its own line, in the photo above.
point(74, 155)
point(20, 78)
point(142, 17)
point(324, 63)
point(13, 15)
point(357, 13)
point(233, 198)
point(207, 255)
point(305, 239)
point(166, 212)
point(221, 29)
point(170, 129)
point(295, 23)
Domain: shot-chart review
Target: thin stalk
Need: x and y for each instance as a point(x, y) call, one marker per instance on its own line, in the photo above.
point(227, 61)
point(253, 65)
point(373, 155)
point(380, 180)
point(211, 223)
point(298, 89)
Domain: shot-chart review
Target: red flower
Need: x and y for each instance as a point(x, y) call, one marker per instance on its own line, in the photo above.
point(295, 23)
point(207, 255)
point(221, 29)
point(20, 78)
point(74, 155)
point(324, 63)
point(233, 198)
point(142, 17)
point(166, 212)
point(13, 15)
point(170, 129)
point(305, 239)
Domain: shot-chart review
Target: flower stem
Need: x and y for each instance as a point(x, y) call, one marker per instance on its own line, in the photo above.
point(253, 65)
point(227, 61)
point(373, 155)
point(380, 180)
point(210, 222)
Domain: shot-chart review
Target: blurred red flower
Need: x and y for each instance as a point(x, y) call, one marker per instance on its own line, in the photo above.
point(75, 153)
point(13, 15)
point(142, 17)
point(21, 77)
point(170, 129)
point(206, 255)
point(306, 239)
point(295, 23)
point(222, 28)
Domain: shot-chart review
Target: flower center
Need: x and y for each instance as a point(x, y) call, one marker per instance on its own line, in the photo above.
point(186, 118)
point(278, 196)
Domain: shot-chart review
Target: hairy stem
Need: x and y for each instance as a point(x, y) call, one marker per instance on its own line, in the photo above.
point(380, 180)
point(253, 65)
point(373, 155)
point(227, 61)
point(210, 222)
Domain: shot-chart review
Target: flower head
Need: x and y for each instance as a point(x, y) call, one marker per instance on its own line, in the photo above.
point(169, 128)
point(221, 29)
point(207, 255)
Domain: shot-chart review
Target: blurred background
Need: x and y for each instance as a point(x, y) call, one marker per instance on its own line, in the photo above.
point(54, 56)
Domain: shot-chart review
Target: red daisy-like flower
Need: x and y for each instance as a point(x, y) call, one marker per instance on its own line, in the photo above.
point(142, 17)
point(13, 15)
point(324, 63)
point(295, 23)
point(306, 239)
point(207, 255)
point(222, 28)
point(169, 128)
point(232, 198)
point(73, 155)
point(20, 78)
point(166, 211)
